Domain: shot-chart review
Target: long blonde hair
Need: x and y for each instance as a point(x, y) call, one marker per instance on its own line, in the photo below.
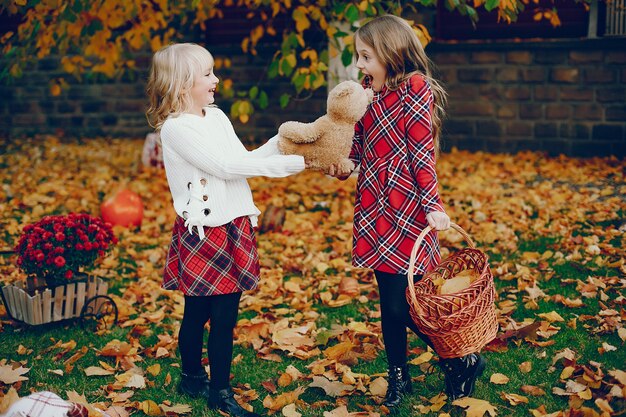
point(399, 50)
point(172, 73)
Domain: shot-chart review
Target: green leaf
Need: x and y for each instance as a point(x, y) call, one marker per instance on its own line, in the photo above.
point(346, 57)
point(254, 91)
point(272, 71)
point(263, 100)
point(298, 82)
point(491, 4)
point(284, 100)
point(286, 67)
point(471, 12)
point(352, 13)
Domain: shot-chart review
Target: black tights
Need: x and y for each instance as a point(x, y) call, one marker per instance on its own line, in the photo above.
point(395, 317)
point(222, 310)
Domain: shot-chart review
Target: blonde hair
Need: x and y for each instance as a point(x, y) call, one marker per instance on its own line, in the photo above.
point(399, 50)
point(172, 73)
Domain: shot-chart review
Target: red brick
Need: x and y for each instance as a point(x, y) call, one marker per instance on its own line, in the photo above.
point(615, 57)
point(519, 129)
point(517, 93)
point(507, 111)
point(519, 57)
point(588, 112)
point(533, 74)
point(564, 75)
point(451, 58)
point(546, 93)
point(576, 94)
point(600, 75)
point(557, 111)
point(585, 57)
point(486, 57)
point(508, 75)
point(469, 108)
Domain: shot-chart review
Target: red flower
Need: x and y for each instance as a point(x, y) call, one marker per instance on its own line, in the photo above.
point(59, 261)
point(59, 246)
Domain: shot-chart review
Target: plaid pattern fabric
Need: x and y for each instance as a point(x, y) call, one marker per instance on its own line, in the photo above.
point(224, 262)
point(45, 404)
point(397, 183)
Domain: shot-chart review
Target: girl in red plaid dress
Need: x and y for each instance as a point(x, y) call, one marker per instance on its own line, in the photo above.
point(212, 256)
point(395, 146)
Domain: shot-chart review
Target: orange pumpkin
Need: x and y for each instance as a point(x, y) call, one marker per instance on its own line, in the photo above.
point(125, 208)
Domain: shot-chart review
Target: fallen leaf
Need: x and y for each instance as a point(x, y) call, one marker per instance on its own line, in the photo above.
point(290, 411)
point(9, 376)
point(176, 409)
point(97, 371)
point(525, 367)
point(9, 398)
point(475, 407)
point(150, 408)
point(532, 390)
point(514, 399)
point(378, 387)
point(332, 388)
point(499, 379)
point(117, 411)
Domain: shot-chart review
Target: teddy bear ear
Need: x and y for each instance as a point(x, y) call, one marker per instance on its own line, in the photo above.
point(343, 91)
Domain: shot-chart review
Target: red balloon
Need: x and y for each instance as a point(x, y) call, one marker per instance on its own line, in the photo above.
point(125, 208)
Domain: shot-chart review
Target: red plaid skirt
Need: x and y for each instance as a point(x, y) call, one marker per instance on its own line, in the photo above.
point(224, 262)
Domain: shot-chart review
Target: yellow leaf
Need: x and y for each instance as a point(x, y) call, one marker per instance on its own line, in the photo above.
point(151, 408)
point(301, 19)
point(9, 376)
point(551, 316)
point(378, 387)
point(331, 388)
point(97, 371)
point(154, 370)
point(423, 358)
point(55, 90)
point(290, 411)
point(525, 367)
point(567, 372)
point(9, 398)
point(515, 399)
point(176, 409)
point(475, 407)
point(499, 379)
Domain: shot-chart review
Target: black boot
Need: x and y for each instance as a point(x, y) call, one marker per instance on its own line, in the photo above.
point(399, 383)
point(224, 400)
point(195, 386)
point(461, 374)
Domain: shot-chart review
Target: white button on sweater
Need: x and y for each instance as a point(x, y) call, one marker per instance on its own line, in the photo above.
point(207, 165)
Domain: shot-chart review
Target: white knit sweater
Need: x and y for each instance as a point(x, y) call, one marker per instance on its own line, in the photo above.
point(207, 165)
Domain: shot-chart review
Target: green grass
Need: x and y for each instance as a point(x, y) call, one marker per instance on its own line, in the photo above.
point(501, 203)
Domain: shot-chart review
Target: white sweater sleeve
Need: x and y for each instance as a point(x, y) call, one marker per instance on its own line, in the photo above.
point(269, 148)
point(197, 148)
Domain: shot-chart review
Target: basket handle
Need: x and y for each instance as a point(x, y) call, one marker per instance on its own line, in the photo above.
point(418, 242)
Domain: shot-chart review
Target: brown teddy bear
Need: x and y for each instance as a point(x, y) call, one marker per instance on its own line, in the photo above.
point(327, 141)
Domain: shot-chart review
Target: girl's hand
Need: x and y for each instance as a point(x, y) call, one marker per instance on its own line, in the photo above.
point(438, 220)
point(335, 171)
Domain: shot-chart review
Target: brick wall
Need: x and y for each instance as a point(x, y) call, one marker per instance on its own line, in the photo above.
point(560, 96)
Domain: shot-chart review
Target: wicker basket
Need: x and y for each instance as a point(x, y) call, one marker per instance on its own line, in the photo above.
point(459, 323)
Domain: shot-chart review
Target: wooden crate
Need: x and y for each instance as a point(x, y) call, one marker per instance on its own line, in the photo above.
point(50, 305)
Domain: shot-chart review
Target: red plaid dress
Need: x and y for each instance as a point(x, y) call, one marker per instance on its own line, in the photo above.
point(397, 182)
point(224, 262)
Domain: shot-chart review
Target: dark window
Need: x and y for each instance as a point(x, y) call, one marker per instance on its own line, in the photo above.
point(574, 23)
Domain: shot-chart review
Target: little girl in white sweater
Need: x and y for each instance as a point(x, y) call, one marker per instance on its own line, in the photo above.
point(213, 255)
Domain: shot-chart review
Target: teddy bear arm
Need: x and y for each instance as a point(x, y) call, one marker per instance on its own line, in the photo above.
point(298, 132)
